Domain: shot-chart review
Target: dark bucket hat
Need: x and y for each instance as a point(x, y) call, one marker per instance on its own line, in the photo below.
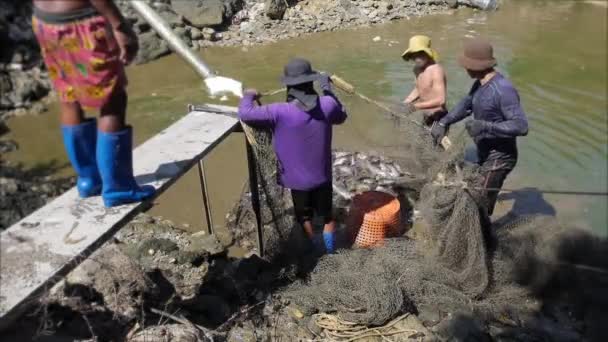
point(478, 55)
point(298, 71)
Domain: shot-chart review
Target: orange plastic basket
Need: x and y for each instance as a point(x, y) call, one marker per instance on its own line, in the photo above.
point(374, 216)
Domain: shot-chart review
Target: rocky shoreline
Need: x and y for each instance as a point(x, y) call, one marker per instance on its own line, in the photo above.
point(201, 24)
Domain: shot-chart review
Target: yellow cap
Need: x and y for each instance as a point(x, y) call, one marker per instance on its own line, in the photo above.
point(420, 43)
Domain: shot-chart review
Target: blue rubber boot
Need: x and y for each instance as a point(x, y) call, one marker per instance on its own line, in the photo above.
point(330, 243)
point(79, 142)
point(115, 160)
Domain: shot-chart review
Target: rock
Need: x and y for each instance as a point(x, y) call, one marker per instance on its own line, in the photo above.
point(429, 314)
point(210, 34)
point(162, 245)
point(275, 9)
point(205, 243)
point(189, 257)
point(181, 32)
point(172, 18)
point(8, 186)
point(7, 146)
point(208, 31)
point(462, 327)
point(244, 333)
point(225, 237)
point(113, 275)
point(195, 33)
point(201, 13)
point(170, 332)
point(248, 27)
point(214, 308)
point(151, 47)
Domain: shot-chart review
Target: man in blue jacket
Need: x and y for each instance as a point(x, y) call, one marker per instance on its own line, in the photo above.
point(497, 118)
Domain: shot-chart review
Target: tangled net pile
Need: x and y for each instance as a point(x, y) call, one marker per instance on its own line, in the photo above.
point(458, 267)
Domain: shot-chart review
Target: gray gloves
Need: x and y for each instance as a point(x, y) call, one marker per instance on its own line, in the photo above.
point(438, 131)
point(477, 127)
point(325, 82)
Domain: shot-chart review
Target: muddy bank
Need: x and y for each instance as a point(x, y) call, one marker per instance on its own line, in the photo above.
point(156, 282)
point(23, 191)
point(153, 281)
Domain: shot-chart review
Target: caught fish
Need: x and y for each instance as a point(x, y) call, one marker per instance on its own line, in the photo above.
point(385, 182)
point(384, 189)
point(368, 181)
point(341, 161)
point(398, 167)
point(373, 169)
point(344, 170)
point(341, 192)
point(392, 171)
point(341, 154)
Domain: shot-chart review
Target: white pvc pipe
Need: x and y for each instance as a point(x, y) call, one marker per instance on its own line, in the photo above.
point(176, 44)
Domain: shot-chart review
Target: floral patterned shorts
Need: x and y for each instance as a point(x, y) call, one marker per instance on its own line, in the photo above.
point(82, 58)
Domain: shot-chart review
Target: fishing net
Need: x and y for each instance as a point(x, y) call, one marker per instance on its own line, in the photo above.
point(451, 260)
point(276, 210)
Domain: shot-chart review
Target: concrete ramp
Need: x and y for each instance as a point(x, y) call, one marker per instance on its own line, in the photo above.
point(38, 251)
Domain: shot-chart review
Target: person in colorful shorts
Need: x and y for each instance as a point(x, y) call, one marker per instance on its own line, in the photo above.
point(85, 45)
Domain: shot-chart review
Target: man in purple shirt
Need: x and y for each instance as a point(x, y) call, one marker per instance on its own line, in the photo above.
point(302, 134)
point(497, 118)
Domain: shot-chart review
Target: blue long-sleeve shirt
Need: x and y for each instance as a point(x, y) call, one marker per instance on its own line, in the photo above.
point(497, 103)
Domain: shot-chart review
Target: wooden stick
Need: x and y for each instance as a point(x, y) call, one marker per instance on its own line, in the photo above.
point(184, 321)
point(348, 88)
point(273, 92)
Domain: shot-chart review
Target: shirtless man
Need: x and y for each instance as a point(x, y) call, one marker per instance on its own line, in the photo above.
point(85, 45)
point(429, 95)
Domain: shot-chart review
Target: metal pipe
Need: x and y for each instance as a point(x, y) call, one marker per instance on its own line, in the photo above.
point(255, 196)
point(176, 44)
point(205, 193)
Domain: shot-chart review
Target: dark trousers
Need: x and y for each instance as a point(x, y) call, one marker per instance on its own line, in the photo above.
point(491, 179)
point(317, 201)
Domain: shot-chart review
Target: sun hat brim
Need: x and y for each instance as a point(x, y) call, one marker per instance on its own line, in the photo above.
point(407, 54)
point(476, 64)
point(295, 80)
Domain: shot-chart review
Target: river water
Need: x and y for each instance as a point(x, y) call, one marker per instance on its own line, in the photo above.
point(554, 51)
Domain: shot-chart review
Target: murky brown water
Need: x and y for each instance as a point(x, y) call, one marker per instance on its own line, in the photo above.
point(555, 52)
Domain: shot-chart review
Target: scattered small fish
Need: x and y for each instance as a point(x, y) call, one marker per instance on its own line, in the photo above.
point(345, 170)
point(342, 192)
point(341, 161)
point(392, 171)
point(385, 182)
point(373, 169)
point(377, 39)
point(368, 181)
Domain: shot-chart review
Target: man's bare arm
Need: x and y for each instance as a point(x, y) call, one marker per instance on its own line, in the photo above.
point(124, 35)
point(413, 96)
point(110, 11)
point(436, 97)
